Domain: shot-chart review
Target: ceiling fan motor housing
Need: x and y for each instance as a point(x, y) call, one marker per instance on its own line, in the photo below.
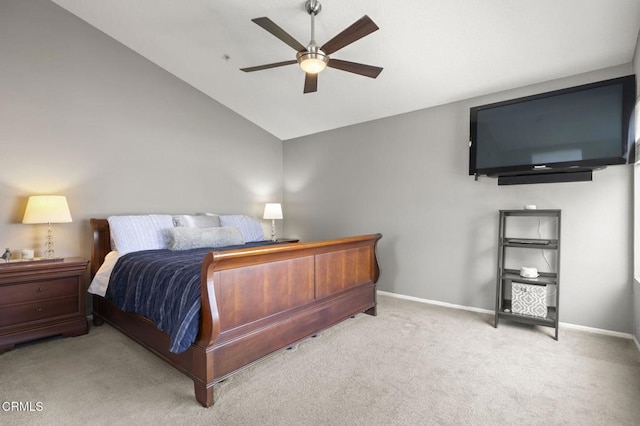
point(312, 60)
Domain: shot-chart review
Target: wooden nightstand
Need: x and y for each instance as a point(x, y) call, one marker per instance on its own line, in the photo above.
point(40, 299)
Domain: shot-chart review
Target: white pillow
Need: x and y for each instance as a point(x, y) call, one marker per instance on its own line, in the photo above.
point(183, 238)
point(139, 232)
point(250, 228)
point(196, 220)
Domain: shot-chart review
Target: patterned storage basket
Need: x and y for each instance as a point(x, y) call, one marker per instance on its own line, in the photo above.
point(527, 299)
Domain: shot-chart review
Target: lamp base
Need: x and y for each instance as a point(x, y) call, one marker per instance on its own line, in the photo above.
point(273, 230)
point(49, 252)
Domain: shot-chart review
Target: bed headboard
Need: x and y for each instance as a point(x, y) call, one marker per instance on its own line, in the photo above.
point(101, 243)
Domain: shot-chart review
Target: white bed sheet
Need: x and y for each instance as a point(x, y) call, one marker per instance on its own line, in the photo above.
point(100, 281)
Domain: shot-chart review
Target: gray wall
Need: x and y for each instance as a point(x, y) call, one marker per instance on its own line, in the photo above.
point(407, 177)
point(83, 116)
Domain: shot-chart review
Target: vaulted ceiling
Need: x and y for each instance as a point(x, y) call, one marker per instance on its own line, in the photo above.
point(432, 51)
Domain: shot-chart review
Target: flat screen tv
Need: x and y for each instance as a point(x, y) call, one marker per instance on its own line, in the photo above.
point(580, 128)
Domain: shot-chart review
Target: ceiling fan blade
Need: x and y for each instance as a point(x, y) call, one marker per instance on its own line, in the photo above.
point(274, 29)
point(362, 27)
point(310, 83)
point(267, 66)
point(354, 67)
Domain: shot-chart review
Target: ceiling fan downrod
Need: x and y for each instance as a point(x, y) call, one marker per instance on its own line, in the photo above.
point(313, 7)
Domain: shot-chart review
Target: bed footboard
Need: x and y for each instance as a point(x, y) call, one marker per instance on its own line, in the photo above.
point(257, 301)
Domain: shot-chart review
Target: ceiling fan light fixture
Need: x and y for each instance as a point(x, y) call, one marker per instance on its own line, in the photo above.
point(312, 61)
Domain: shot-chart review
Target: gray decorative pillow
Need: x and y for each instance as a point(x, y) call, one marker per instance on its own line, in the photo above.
point(196, 221)
point(183, 238)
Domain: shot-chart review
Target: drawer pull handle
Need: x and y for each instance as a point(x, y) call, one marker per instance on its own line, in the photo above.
point(39, 289)
point(39, 309)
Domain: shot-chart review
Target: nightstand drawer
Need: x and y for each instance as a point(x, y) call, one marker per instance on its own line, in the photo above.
point(39, 290)
point(27, 312)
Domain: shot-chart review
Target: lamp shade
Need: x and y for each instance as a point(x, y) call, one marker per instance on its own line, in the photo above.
point(47, 209)
point(272, 211)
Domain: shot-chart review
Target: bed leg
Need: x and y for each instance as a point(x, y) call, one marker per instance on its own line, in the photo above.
point(204, 394)
point(97, 321)
point(372, 311)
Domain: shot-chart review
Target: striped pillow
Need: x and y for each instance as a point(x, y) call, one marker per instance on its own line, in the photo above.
point(249, 227)
point(139, 232)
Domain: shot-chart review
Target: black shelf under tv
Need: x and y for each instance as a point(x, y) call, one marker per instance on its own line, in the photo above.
point(508, 279)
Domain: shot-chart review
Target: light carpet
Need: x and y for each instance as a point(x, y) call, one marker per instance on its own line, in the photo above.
point(413, 364)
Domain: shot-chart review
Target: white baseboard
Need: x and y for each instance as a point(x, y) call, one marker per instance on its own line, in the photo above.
point(491, 312)
point(436, 302)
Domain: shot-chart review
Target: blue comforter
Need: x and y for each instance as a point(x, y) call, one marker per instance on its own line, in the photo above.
point(164, 286)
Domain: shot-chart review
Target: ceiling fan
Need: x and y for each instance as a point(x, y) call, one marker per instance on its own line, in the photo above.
point(313, 59)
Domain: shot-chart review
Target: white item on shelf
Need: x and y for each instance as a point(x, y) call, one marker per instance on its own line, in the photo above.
point(529, 272)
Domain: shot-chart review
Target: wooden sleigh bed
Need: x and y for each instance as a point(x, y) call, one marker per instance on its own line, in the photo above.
point(254, 302)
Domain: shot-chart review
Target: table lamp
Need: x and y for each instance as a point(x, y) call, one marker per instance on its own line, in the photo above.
point(47, 209)
point(272, 211)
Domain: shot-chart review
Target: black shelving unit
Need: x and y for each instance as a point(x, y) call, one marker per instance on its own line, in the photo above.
point(506, 276)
